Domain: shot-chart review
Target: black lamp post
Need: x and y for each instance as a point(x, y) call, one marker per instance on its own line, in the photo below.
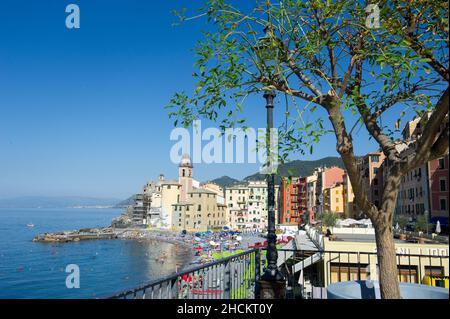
point(271, 273)
point(272, 283)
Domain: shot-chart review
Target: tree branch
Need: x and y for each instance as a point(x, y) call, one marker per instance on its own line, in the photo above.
point(440, 147)
point(430, 132)
point(333, 66)
point(344, 146)
point(282, 87)
point(422, 51)
point(304, 78)
point(386, 144)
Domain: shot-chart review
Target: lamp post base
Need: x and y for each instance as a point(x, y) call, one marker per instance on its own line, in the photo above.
point(272, 289)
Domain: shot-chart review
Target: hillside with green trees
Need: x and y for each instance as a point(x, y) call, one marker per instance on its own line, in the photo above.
point(225, 181)
point(299, 168)
point(294, 168)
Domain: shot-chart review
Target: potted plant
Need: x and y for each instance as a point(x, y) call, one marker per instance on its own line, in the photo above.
point(329, 220)
point(421, 226)
point(402, 221)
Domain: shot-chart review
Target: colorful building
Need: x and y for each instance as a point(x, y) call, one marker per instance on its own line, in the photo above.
point(334, 199)
point(371, 168)
point(247, 205)
point(438, 181)
point(350, 208)
point(326, 178)
point(200, 212)
point(289, 213)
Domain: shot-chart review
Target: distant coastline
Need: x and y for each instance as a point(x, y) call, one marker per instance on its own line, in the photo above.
point(62, 202)
point(94, 207)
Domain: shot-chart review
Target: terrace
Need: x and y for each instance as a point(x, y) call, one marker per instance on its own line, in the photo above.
point(308, 269)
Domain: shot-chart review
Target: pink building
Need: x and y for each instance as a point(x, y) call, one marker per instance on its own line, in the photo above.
point(332, 176)
point(326, 178)
point(438, 180)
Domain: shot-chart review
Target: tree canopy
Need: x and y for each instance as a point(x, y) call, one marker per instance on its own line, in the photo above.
point(317, 49)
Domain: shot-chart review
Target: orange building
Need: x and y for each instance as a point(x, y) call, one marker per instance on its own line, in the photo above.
point(293, 201)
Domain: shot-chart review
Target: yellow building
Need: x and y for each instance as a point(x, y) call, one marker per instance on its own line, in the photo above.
point(334, 199)
point(350, 209)
point(353, 257)
point(200, 212)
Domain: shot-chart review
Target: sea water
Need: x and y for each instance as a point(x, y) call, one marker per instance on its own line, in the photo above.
point(38, 270)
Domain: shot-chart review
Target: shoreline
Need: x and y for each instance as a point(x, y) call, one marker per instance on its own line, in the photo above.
point(134, 234)
point(188, 241)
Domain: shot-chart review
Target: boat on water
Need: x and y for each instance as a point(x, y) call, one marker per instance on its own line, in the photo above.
point(30, 225)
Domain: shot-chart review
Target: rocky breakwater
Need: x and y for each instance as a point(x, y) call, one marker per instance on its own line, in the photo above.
point(77, 235)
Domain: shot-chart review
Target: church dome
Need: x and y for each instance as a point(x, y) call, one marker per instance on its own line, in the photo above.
point(186, 161)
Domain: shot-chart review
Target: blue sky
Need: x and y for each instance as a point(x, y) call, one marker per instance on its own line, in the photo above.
point(82, 111)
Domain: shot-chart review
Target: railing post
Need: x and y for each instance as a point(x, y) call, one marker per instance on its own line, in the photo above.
point(257, 273)
point(227, 280)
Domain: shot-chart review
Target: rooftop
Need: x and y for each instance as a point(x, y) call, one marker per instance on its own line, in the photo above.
point(369, 238)
point(201, 191)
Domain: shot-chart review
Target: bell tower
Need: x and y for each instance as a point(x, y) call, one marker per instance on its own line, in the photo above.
point(185, 175)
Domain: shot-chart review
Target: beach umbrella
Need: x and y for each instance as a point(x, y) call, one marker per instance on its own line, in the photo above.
point(197, 239)
point(300, 278)
point(238, 238)
point(212, 243)
point(438, 227)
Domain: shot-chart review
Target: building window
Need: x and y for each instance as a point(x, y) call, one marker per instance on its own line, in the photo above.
point(349, 272)
point(434, 271)
point(443, 204)
point(375, 170)
point(442, 185)
point(441, 163)
point(375, 158)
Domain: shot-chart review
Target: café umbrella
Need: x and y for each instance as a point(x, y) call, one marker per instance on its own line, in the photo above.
point(438, 227)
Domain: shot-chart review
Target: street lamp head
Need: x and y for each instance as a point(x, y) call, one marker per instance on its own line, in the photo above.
point(265, 49)
point(269, 95)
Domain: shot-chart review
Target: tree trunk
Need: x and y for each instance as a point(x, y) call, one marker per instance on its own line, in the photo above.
point(387, 262)
point(381, 217)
